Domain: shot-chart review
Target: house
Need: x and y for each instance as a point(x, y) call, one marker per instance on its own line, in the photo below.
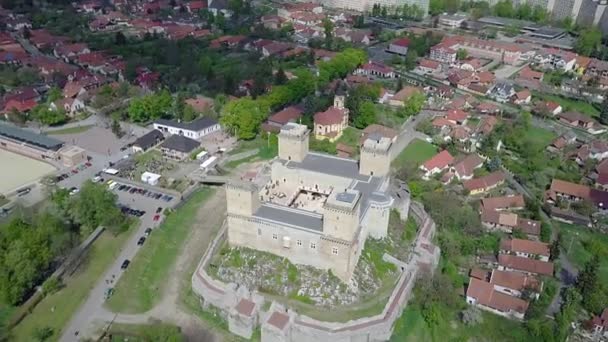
point(68, 51)
point(486, 125)
point(522, 97)
point(485, 183)
point(548, 108)
point(272, 22)
point(178, 147)
point(70, 105)
point(530, 75)
point(464, 169)
point(488, 108)
point(331, 123)
point(516, 283)
point(377, 132)
point(362, 37)
point(275, 48)
point(483, 295)
point(428, 66)
point(399, 99)
point(596, 150)
point(443, 54)
point(561, 142)
point(502, 92)
point(457, 116)
point(525, 249)
point(279, 119)
point(196, 129)
point(376, 69)
point(196, 6)
point(555, 59)
point(529, 266)
point(507, 222)
point(572, 192)
point(217, 7)
point(21, 106)
point(148, 140)
point(437, 164)
point(577, 120)
point(399, 46)
point(514, 202)
point(599, 324)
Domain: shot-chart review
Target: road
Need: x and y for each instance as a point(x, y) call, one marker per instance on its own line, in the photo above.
point(93, 308)
point(32, 50)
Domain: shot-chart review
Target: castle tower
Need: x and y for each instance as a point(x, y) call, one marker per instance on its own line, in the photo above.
point(341, 214)
point(340, 97)
point(293, 142)
point(242, 198)
point(375, 157)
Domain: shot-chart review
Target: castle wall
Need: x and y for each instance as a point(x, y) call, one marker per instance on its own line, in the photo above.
point(293, 244)
point(375, 163)
point(299, 177)
point(375, 221)
point(242, 200)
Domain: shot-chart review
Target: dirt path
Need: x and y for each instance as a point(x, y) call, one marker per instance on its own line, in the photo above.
point(209, 219)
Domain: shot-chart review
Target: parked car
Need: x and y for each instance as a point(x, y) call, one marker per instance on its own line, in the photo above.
point(125, 264)
point(156, 217)
point(159, 209)
point(141, 240)
point(148, 231)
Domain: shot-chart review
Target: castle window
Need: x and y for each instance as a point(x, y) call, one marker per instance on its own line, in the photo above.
point(334, 250)
point(313, 245)
point(299, 243)
point(275, 237)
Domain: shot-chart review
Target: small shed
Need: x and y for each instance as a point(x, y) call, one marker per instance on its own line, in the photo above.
point(150, 178)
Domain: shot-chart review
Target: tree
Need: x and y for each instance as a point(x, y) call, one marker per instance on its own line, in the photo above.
point(604, 111)
point(461, 54)
point(95, 206)
point(328, 29)
point(120, 38)
point(587, 284)
point(189, 114)
point(243, 117)
point(589, 41)
point(412, 105)
point(555, 247)
point(280, 78)
point(43, 114)
point(471, 316)
point(150, 107)
point(504, 8)
point(367, 115)
point(411, 59)
point(116, 129)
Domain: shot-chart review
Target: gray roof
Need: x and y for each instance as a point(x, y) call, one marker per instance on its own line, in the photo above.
point(296, 218)
point(149, 139)
point(195, 125)
point(39, 140)
point(335, 166)
point(181, 143)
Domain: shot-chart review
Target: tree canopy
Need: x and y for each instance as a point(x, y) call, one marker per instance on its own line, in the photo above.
point(150, 107)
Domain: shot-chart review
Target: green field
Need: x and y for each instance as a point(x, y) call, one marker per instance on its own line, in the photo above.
point(417, 152)
point(540, 136)
point(571, 104)
point(71, 130)
point(579, 243)
point(139, 289)
point(411, 327)
point(57, 309)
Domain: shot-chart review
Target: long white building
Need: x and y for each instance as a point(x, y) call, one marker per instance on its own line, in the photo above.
point(366, 5)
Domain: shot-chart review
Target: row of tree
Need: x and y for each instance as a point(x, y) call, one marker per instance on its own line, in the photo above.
point(405, 11)
point(31, 248)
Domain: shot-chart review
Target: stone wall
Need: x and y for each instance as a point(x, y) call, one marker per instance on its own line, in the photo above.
point(280, 324)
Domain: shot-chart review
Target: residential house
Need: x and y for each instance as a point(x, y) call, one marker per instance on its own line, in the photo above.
point(516, 283)
point(488, 108)
point(399, 46)
point(548, 108)
point(331, 123)
point(464, 169)
point(485, 183)
point(502, 92)
point(428, 66)
point(217, 7)
point(399, 99)
point(522, 97)
point(280, 118)
point(148, 140)
point(483, 295)
point(361, 37)
point(525, 248)
point(437, 164)
point(486, 125)
point(69, 51)
point(561, 142)
point(20, 106)
point(577, 120)
point(529, 266)
point(457, 116)
point(443, 54)
point(599, 324)
point(555, 59)
point(178, 147)
point(196, 129)
point(275, 48)
point(71, 106)
point(572, 192)
point(513, 202)
point(376, 69)
point(527, 74)
point(507, 222)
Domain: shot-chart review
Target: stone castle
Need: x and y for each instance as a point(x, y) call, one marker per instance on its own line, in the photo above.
point(317, 209)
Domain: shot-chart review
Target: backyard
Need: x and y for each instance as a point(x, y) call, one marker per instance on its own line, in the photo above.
point(579, 244)
point(567, 104)
point(55, 310)
point(140, 288)
point(417, 152)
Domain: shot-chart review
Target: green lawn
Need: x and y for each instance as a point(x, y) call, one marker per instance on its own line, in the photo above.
point(411, 326)
point(417, 152)
point(571, 104)
point(540, 136)
point(351, 137)
point(65, 302)
point(579, 243)
point(142, 286)
point(71, 130)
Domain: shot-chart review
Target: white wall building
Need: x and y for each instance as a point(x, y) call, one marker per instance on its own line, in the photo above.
point(194, 130)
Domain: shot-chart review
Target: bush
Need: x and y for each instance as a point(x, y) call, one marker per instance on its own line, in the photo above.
point(471, 316)
point(51, 285)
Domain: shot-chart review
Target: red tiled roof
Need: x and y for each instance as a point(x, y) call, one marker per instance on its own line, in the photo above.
point(331, 116)
point(490, 180)
point(440, 122)
point(467, 166)
point(599, 197)
point(515, 280)
point(503, 202)
point(526, 264)
point(485, 295)
point(20, 106)
point(377, 67)
point(404, 42)
point(439, 161)
point(427, 63)
point(286, 115)
point(525, 246)
point(457, 115)
point(529, 74)
point(278, 320)
point(406, 93)
point(245, 307)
